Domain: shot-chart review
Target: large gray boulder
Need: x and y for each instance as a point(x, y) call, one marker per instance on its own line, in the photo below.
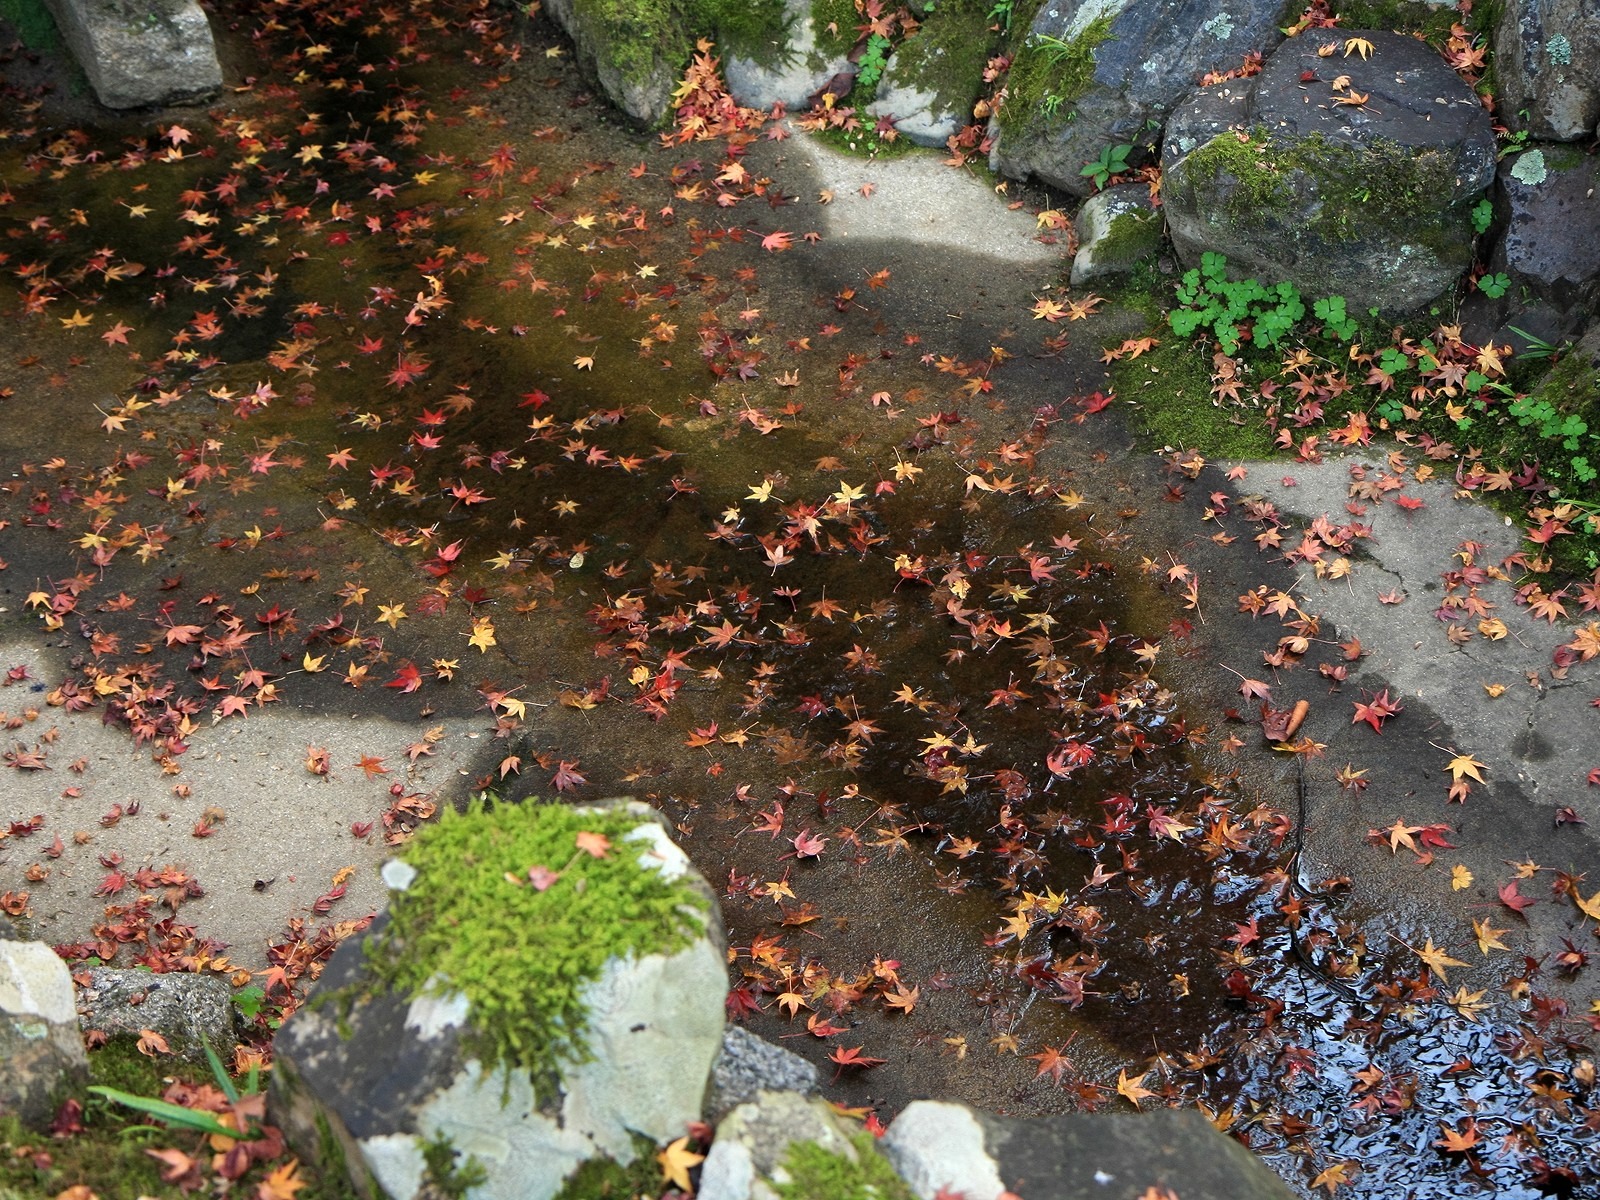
point(187, 1010)
point(1098, 73)
point(1344, 175)
point(141, 52)
point(1547, 64)
point(941, 1148)
point(398, 1080)
point(40, 1047)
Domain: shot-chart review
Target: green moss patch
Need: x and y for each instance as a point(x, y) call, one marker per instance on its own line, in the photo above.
point(1384, 187)
point(1133, 237)
point(32, 22)
point(1169, 389)
point(1048, 76)
point(946, 56)
point(520, 947)
point(818, 1174)
point(753, 29)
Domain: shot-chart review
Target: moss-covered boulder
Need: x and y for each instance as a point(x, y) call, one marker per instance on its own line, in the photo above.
point(1118, 229)
point(546, 989)
point(41, 1050)
point(934, 77)
point(1547, 64)
point(1092, 74)
point(1350, 174)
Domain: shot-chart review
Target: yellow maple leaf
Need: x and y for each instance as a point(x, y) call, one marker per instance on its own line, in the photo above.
point(1359, 46)
point(482, 635)
point(1589, 907)
point(1465, 765)
point(675, 1159)
point(1131, 1089)
point(1488, 936)
point(1460, 878)
point(76, 321)
point(1332, 1177)
point(313, 663)
point(1437, 960)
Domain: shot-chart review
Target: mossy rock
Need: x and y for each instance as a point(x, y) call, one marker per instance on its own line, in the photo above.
point(1117, 229)
point(935, 76)
point(1091, 74)
point(1364, 190)
point(548, 982)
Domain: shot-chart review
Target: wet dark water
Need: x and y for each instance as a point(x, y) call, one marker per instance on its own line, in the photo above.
point(767, 558)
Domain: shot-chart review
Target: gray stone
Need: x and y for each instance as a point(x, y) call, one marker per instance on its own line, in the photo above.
point(1114, 1156)
point(390, 1073)
point(796, 71)
point(747, 1065)
point(1371, 201)
point(1545, 63)
point(1153, 53)
point(1552, 218)
point(188, 1010)
point(40, 1047)
point(1117, 230)
point(141, 52)
point(753, 1140)
point(635, 65)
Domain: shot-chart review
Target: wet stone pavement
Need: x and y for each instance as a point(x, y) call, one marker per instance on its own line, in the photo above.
point(403, 426)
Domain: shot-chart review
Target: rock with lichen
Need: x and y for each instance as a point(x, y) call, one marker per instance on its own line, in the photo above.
point(546, 988)
point(144, 53)
point(1092, 74)
point(41, 1049)
point(1353, 173)
point(1547, 67)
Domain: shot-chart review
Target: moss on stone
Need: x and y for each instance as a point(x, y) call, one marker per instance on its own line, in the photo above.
point(1384, 187)
point(833, 25)
point(1048, 76)
point(946, 56)
point(472, 922)
point(1400, 16)
point(1133, 237)
point(638, 34)
point(753, 29)
point(818, 1174)
point(607, 1179)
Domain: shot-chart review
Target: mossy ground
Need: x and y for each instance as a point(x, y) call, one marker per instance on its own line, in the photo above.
point(641, 34)
point(521, 955)
point(109, 1156)
point(32, 22)
point(1169, 391)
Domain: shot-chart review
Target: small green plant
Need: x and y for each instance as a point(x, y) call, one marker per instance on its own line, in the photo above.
point(190, 1118)
point(1001, 12)
point(1331, 312)
point(1113, 160)
point(448, 1178)
point(1494, 286)
point(1537, 347)
point(1208, 299)
point(1539, 414)
point(869, 70)
point(1482, 215)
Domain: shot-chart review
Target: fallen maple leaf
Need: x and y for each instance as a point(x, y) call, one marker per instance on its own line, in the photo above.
point(597, 845)
point(675, 1159)
point(1132, 1090)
